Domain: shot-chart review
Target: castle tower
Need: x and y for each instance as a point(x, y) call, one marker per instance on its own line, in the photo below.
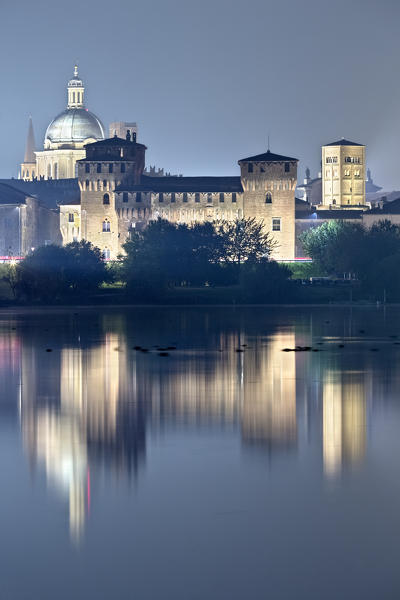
point(28, 167)
point(108, 163)
point(269, 181)
point(343, 175)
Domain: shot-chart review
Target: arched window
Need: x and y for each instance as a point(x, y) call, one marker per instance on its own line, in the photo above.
point(106, 200)
point(106, 253)
point(268, 198)
point(106, 225)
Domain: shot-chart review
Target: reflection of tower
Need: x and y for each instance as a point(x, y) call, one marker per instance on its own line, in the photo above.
point(269, 408)
point(344, 420)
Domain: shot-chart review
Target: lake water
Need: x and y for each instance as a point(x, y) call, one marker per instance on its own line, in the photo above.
point(205, 474)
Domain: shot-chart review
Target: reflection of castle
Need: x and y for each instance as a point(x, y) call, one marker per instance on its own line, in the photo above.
point(344, 420)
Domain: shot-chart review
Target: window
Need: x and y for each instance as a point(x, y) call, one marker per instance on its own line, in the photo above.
point(106, 253)
point(87, 168)
point(353, 159)
point(71, 218)
point(287, 167)
point(99, 167)
point(161, 197)
point(87, 184)
point(104, 184)
point(249, 168)
point(357, 173)
point(55, 171)
point(172, 196)
point(197, 197)
point(221, 197)
point(234, 197)
point(209, 198)
point(106, 199)
point(122, 167)
point(138, 196)
point(331, 159)
point(124, 196)
point(276, 224)
point(185, 197)
point(268, 198)
point(110, 168)
point(106, 226)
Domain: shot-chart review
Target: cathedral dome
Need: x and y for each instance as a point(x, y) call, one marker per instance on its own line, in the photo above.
point(74, 125)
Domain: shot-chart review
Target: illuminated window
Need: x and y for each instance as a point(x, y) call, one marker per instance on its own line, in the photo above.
point(276, 224)
point(99, 167)
point(106, 199)
point(71, 217)
point(268, 198)
point(122, 167)
point(124, 196)
point(221, 197)
point(106, 253)
point(234, 197)
point(106, 226)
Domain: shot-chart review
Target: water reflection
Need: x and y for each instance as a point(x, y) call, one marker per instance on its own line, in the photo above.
point(94, 402)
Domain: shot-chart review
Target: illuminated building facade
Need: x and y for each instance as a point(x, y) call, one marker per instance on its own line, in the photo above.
point(343, 175)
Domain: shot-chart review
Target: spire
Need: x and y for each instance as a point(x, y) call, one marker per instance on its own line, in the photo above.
point(30, 145)
point(76, 91)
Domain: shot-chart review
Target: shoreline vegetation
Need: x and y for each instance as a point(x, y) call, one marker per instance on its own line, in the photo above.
point(224, 264)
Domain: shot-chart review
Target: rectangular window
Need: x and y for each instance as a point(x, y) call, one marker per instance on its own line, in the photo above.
point(125, 197)
point(138, 196)
point(173, 197)
point(161, 197)
point(276, 224)
point(185, 197)
point(87, 168)
point(110, 168)
point(209, 198)
point(99, 167)
point(221, 197)
point(287, 167)
point(249, 168)
point(71, 217)
point(122, 167)
point(197, 197)
point(234, 197)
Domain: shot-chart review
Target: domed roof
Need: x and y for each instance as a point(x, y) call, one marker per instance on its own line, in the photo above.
point(75, 125)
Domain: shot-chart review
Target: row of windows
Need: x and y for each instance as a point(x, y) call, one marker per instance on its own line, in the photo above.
point(99, 166)
point(125, 197)
point(346, 173)
point(78, 97)
point(348, 159)
point(252, 168)
point(331, 159)
point(276, 224)
point(196, 197)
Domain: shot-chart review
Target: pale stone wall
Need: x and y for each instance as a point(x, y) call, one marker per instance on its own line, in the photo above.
point(343, 176)
point(280, 184)
point(197, 208)
point(27, 171)
point(58, 164)
point(70, 223)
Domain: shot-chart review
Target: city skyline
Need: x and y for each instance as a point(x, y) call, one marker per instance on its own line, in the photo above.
point(198, 117)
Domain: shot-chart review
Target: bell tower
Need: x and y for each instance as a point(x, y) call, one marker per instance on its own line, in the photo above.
point(76, 91)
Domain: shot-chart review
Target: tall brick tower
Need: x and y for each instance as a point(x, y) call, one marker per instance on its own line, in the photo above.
point(269, 181)
point(108, 163)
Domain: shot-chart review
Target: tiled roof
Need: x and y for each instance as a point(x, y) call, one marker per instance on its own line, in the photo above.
point(343, 142)
point(184, 184)
point(268, 157)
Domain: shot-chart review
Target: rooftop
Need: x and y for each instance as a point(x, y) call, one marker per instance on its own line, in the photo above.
point(184, 184)
point(343, 142)
point(268, 157)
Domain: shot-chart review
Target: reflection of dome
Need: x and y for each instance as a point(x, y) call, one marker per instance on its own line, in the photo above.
point(74, 125)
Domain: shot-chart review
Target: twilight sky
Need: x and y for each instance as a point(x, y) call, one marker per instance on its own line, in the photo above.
point(207, 80)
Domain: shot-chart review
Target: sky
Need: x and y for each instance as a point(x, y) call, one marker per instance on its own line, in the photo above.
point(208, 81)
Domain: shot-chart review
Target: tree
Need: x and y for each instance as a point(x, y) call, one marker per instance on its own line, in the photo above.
point(265, 281)
point(87, 269)
point(244, 239)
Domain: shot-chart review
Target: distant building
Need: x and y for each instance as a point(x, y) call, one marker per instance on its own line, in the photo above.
point(343, 175)
point(28, 170)
point(121, 129)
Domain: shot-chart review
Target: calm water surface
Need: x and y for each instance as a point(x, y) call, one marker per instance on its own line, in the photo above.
point(206, 474)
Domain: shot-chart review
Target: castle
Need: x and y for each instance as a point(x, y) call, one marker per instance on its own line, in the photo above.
point(116, 195)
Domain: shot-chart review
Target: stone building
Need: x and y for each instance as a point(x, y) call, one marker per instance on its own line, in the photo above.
point(65, 138)
point(117, 197)
point(343, 175)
